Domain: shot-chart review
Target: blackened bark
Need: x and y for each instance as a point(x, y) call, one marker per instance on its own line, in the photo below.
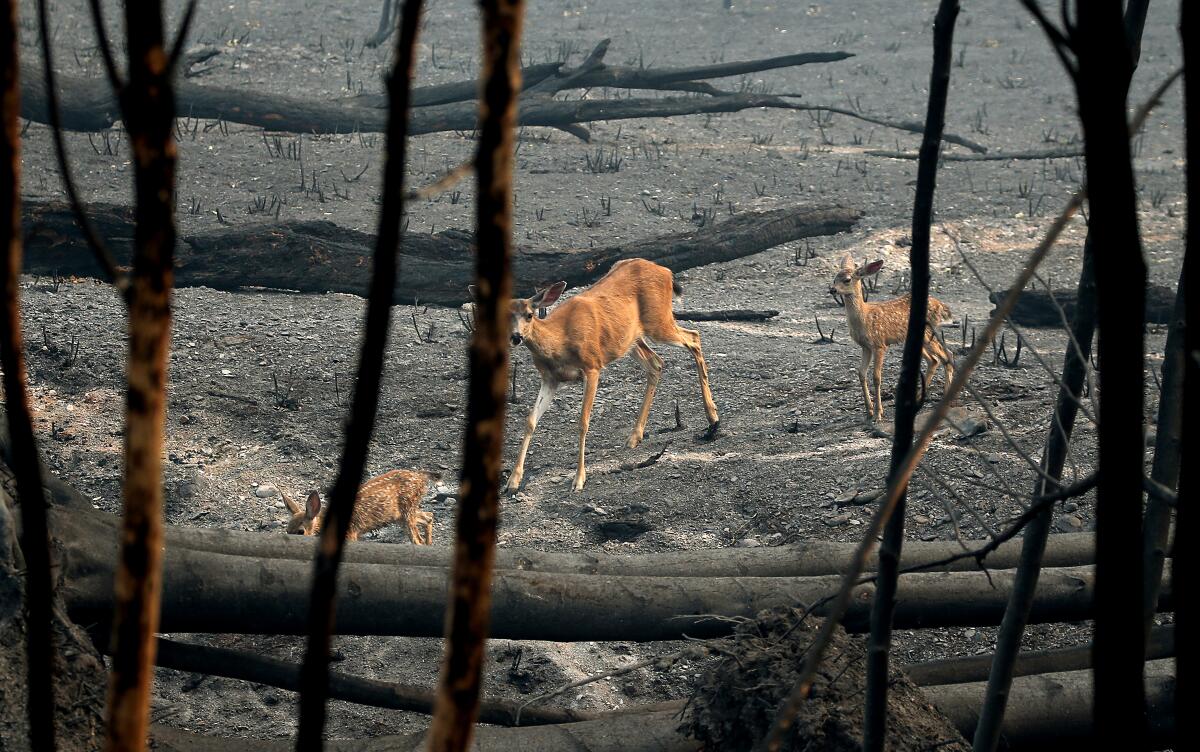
point(149, 113)
point(883, 608)
point(35, 540)
point(1102, 82)
point(314, 675)
point(469, 614)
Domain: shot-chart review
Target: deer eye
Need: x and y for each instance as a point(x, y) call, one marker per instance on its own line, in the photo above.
point(529, 315)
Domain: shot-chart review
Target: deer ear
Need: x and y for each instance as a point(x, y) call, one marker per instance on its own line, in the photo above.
point(313, 507)
point(871, 268)
point(292, 506)
point(547, 297)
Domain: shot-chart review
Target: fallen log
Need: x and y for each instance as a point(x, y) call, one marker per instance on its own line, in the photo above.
point(206, 592)
point(991, 156)
point(632, 732)
point(1045, 711)
point(1038, 308)
point(318, 257)
point(82, 523)
point(261, 669)
point(550, 78)
point(1054, 711)
point(87, 104)
point(730, 315)
point(975, 668)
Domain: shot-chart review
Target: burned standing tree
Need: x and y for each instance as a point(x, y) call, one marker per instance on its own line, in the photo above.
point(148, 107)
point(321, 611)
point(1074, 373)
point(39, 586)
point(469, 611)
point(883, 607)
point(1189, 482)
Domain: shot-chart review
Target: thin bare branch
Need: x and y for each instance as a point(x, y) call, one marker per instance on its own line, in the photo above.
point(361, 424)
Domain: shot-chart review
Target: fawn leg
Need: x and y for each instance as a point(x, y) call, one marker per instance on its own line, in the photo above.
point(690, 339)
point(878, 377)
point(653, 365)
point(591, 379)
point(544, 398)
point(863, 364)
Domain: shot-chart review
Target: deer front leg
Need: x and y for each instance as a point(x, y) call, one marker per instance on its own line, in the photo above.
point(863, 364)
point(544, 398)
point(591, 379)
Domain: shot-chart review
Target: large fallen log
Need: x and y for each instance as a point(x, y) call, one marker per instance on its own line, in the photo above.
point(1054, 711)
point(206, 592)
point(633, 732)
point(1038, 308)
point(87, 104)
point(81, 523)
point(975, 668)
point(323, 257)
point(1045, 711)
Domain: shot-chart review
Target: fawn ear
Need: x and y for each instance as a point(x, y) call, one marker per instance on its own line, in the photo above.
point(869, 269)
point(292, 506)
point(313, 508)
point(546, 298)
point(847, 262)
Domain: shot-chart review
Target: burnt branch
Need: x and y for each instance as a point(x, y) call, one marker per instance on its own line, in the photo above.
point(23, 459)
point(332, 540)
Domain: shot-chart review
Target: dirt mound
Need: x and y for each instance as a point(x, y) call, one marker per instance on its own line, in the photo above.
point(735, 702)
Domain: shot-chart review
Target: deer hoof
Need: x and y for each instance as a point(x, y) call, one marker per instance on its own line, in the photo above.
point(711, 433)
point(634, 440)
point(579, 483)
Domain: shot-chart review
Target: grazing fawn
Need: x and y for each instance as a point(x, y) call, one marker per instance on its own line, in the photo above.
point(625, 310)
point(391, 497)
point(875, 326)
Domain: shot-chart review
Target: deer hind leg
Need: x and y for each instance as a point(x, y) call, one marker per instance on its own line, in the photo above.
point(544, 398)
point(877, 375)
point(591, 379)
point(690, 338)
point(653, 365)
point(863, 365)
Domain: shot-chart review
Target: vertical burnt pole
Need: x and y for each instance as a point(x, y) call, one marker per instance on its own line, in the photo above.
point(467, 620)
point(884, 605)
point(1183, 583)
point(1104, 72)
point(35, 540)
point(314, 674)
point(148, 109)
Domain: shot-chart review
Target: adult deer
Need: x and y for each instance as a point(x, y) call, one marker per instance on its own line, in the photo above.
point(875, 326)
point(624, 311)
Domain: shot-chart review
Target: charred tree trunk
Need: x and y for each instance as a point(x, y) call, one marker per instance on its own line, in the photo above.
point(1043, 308)
point(361, 424)
point(1033, 542)
point(1188, 676)
point(879, 644)
point(1105, 68)
point(148, 109)
point(26, 465)
point(322, 257)
point(468, 616)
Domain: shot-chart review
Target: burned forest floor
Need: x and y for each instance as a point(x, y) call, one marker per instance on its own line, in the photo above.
point(260, 379)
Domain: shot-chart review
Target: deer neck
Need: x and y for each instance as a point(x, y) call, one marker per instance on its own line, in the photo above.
point(856, 308)
point(545, 341)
